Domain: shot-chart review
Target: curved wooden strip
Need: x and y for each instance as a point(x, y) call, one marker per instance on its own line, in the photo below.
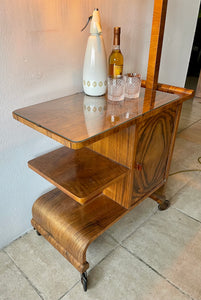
point(172, 89)
point(80, 267)
point(71, 226)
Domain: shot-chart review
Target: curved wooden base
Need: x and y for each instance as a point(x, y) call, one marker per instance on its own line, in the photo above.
point(71, 227)
point(81, 267)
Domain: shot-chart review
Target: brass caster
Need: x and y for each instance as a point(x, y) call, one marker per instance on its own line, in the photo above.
point(164, 205)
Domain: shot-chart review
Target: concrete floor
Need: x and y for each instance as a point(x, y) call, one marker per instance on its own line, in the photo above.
point(146, 255)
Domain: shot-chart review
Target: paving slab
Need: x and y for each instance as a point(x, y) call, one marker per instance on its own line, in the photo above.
point(131, 221)
point(188, 199)
point(46, 268)
point(13, 285)
point(170, 243)
point(122, 276)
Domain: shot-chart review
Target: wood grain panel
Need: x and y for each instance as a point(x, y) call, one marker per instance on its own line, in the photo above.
point(153, 141)
point(120, 148)
point(176, 124)
point(81, 174)
point(71, 227)
point(121, 191)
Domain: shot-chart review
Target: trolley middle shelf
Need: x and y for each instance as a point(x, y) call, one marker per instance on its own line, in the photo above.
point(81, 174)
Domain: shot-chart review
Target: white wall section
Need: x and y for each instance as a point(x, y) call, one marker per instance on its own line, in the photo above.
point(41, 55)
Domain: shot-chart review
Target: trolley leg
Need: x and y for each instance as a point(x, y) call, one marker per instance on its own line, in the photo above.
point(163, 204)
point(84, 280)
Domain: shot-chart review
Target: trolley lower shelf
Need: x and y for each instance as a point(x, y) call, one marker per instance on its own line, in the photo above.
point(71, 227)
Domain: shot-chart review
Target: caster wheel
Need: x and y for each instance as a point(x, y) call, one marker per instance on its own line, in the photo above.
point(38, 233)
point(84, 280)
point(164, 205)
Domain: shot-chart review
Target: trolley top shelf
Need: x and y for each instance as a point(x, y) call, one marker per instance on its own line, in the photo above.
point(79, 120)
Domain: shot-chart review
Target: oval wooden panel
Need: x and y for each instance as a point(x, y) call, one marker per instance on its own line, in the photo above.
point(153, 144)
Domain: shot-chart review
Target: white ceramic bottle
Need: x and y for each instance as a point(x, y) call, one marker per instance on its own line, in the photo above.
point(95, 63)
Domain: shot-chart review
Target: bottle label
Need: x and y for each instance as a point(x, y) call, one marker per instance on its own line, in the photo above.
point(116, 70)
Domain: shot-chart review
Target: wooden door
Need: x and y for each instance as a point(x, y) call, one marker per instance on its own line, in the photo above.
point(153, 140)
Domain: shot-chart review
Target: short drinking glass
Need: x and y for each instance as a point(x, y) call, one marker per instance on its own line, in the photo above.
point(116, 88)
point(132, 85)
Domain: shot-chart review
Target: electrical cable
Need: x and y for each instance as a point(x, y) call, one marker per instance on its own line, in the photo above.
point(190, 170)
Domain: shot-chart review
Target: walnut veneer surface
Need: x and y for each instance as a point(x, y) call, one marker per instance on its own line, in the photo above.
point(81, 174)
point(79, 120)
point(71, 227)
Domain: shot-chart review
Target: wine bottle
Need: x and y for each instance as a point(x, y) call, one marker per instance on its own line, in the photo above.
point(116, 57)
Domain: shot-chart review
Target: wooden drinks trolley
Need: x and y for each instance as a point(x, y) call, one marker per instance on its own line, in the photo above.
point(109, 163)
